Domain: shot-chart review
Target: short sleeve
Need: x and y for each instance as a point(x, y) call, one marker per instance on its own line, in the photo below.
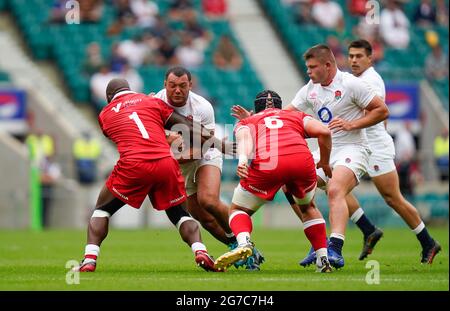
point(100, 122)
point(241, 124)
point(361, 92)
point(203, 110)
point(300, 102)
point(208, 120)
point(165, 110)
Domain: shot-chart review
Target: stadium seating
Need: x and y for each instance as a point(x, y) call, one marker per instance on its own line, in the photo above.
point(4, 77)
point(66, 44)
point(398, 65)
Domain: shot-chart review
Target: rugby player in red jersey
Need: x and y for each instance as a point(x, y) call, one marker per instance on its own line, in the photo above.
point(276, 138)
point(135, 123)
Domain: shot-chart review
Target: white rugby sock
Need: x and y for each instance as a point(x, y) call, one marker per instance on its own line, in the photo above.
point(198, 246)
point(91, 253)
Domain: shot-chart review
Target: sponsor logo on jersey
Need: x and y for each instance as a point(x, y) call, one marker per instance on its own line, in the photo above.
point(313, 95)
point(337, 95)
point(376, 168)
point(257, 190)
point(348, 160)
point(117, 108)
point(177, 199)
point(120, 194)
point(325, 114)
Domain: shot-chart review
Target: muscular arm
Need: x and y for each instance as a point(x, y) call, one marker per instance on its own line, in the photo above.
point(244, 149)
point(316, 129)
point(198, 130)
point(244, 143)
point(290, 107)
point(376, 112)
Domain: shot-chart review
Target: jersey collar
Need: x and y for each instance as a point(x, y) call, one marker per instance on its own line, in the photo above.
point(122, 93)
point(336, 77)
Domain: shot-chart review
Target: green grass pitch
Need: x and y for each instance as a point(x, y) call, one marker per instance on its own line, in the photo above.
point(159, 260)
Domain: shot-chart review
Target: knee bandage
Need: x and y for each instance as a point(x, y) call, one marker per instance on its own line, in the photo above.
point(100, 213)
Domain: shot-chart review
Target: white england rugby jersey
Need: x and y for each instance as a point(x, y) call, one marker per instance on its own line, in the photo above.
point(345, 97)
point(376, 134)
point(196, 107)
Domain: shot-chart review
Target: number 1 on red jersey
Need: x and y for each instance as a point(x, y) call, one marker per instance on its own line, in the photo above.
point(134, 116)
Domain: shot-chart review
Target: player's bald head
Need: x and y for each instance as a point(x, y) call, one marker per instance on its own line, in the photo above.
point(115, 86)
point(321, 52)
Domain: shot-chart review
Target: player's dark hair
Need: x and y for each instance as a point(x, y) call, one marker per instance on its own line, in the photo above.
point(361, 44)
point(178, 71)
point(321, 51)
point(263, 101)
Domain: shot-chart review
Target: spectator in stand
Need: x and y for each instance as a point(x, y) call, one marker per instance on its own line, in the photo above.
point(370, 32)
point(160, 29)
point(117, 61)
point(197, 88)
point(133, 77)
point(58, 12)
point(91, 11)
point(335, 46)
point(442, 13)
point(165, 53)
point(405, 150)
point(303, 13)
point(215, 9)
point(135, 51)
point(188, 54)
point(365, 30)
point(291, 3)
point(124, 18)
point(226, 55)
point(98, 84)
point(93, 59)
point(436, 64)
point(377, 48)
point(394, 26)
point(41, 148)
point(441, 150)
point(328, 14)
point(179, 8)
point(145, 12)
point(425, 14)
point(199, 34)
point(86, 151)
point(357, 7)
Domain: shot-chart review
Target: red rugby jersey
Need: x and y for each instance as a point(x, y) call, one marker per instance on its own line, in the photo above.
point(135, 123)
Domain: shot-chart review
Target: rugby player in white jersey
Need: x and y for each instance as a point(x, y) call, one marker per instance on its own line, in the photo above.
point(202, 172)
point(381, 169)
point(347, 105)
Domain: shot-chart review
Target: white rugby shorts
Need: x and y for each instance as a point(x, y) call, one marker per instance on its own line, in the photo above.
point(355, 157)
point(381, 161)
point(189, 169)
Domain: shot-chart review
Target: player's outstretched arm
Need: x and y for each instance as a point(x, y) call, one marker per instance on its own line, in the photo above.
point(240, 112)
point(376, 112)
point(290, 107)
point(198, 130)
point(244, 149)
point(317, 130)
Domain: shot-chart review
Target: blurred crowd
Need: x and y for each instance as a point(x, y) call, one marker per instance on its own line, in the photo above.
point(178, 37)
point(391, 29)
